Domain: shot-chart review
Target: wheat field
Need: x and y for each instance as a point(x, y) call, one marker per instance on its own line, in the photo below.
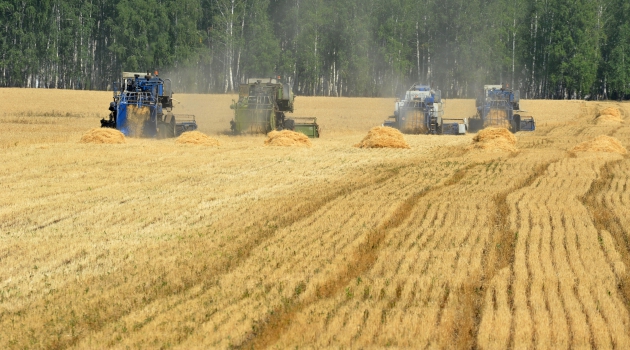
point(151, 244)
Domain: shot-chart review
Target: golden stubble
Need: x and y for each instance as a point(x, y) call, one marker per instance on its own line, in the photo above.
point(151, 244)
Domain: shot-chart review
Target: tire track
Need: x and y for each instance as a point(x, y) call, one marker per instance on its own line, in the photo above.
point(234, 257)
point(271, 329)
point(604, 219)
point(501, 251)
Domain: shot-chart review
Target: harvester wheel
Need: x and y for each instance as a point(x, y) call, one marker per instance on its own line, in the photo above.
point(163, 130)
point(517, 123)
point(289, 124)
point(171, 130)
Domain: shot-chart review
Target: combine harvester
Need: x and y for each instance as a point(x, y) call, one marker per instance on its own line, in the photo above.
point(261, 108)
point(142, 108)
point(499, 107)
point(421, 111)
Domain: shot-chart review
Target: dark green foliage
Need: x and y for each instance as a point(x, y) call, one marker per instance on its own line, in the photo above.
point(547, 49)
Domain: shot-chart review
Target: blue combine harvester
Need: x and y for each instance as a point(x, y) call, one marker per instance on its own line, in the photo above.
point(142, 108)
point(421, 112)
point(499, 107)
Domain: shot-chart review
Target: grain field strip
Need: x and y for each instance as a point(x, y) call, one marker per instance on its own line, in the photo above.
point(285, 217)
point(362, 260)
point(499, 255)
point(224, 266)
point(557, 297)
point(608, 222)
point(298, 212)
point(236, 255)
point(445, 236)
point(259, 267)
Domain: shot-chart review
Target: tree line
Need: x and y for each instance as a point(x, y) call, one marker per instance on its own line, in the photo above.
point(557, 49)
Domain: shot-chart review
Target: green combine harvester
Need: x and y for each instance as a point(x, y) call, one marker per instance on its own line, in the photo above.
point(261, 108)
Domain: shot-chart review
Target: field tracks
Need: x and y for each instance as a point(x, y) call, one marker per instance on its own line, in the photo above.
point(559, 294)
point(297, 210)
point(270, 330)
point(167, 292)
point(491, 291)
point(611, 231)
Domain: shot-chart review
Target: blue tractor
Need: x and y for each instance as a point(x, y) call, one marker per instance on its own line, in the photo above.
point(499, 107)
point(420, 112)
point(142, 108)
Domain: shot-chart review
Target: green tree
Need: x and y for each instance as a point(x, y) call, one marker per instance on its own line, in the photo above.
point(261, 47)
point(616, 52)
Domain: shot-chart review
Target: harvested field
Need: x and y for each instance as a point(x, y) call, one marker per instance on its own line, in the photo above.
point(601, 143)
point(103, 135)
point(196, 138)
point(149, 244)
point(287, 138)
point(383, 137)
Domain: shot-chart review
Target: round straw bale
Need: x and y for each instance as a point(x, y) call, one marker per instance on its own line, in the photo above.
point(196, 138)
point(494, 139)
point(601, 143)
point(383, 137)
point(287, 138)
point(103, 136)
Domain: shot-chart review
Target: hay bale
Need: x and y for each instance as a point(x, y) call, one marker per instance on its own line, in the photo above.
point(103, 136)
point(287, 138)
point(494, 139)
point(383, 137)
point(608, 119)
point(610, 111)
point(601, 143)
point(196, 138)
point(609, 116)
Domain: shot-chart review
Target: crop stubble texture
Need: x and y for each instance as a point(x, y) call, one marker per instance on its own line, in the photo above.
point(151, 245)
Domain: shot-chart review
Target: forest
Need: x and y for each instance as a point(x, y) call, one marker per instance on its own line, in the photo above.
point(548, 49)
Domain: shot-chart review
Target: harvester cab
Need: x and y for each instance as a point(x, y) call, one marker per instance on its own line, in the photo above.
point(142, 108)
point(421, 111)
point(261, 108)
point(499, 106)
